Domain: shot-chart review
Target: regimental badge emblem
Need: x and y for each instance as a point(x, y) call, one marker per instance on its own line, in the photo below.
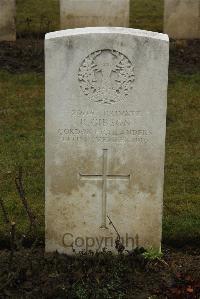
point(106, 76)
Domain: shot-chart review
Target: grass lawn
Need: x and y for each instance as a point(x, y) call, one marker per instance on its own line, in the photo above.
point(22, 144)
point(41, 15)
point(37, 16)
point(147, 14)
point(22, 135)
point(182, 176)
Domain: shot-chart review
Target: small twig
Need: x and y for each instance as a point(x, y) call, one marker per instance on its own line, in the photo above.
point(118, 244)
point(12, 241)
point(28, 22)
point(163, 262)
point(111, 223)
point(11, 277)
point(20, 189)
point(5, 214)
point(48, 25)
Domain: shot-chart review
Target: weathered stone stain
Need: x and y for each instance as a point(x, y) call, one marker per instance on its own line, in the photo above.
point(100, 163)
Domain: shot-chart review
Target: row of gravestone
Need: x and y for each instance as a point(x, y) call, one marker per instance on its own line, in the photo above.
point(182, 19)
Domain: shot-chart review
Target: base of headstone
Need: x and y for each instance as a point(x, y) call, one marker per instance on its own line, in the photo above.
point(182, 19)
point(7, 20)
point(94, 13)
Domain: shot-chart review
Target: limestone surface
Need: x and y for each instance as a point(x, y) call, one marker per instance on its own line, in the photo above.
point(7, 20)
point(182, 19)
point(106, 101)
point(93, 13)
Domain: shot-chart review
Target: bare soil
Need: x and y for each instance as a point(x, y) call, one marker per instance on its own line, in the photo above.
point(27, 55)
point(31, 273)
point(22, 56)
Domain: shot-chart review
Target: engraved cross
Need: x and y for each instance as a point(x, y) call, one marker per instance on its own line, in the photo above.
point(104, 177)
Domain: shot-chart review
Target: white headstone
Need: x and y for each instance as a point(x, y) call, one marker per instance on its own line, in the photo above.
point(106, 100)
point(182, 19)
point(93, 13)
point(7, 20)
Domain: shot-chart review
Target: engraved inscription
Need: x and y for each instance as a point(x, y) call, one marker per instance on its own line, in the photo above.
point(104, 177)
point(106, 76)
point(106, 126)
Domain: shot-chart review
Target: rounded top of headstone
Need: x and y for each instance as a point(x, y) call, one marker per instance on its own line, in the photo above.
point(107, 30)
